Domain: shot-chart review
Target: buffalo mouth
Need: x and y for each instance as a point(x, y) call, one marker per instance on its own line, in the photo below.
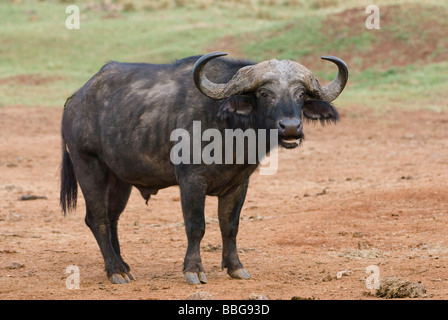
point(290, 142)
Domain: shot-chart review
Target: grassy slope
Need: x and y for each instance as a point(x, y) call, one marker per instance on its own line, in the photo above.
point(34, 41)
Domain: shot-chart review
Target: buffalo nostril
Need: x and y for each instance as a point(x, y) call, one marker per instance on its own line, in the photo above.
point(281, 125)
point(290, 127)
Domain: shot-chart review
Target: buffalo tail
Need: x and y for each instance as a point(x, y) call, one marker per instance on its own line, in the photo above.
point(69, 184)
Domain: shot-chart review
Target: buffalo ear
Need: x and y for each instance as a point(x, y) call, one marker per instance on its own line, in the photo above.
point(240, 104)
point(320, 110)
point(238, 111)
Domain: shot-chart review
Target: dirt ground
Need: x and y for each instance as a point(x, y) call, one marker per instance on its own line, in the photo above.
point(370, 191)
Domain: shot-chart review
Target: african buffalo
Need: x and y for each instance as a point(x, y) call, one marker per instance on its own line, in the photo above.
point(116, 134)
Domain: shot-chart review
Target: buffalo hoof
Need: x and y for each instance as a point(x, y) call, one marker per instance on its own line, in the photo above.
point(239, 274)
point(195, 277)
point(121, 278)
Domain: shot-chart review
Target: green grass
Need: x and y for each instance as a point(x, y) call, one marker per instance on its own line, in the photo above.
point(47, 48)
point(286, 42)
point(409, 88)
point(34, 41)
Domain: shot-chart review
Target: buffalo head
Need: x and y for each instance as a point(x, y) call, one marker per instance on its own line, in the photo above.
point(275, 95)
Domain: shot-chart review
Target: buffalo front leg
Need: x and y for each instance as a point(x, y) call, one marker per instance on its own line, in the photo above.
point(229, 208)
point(193, 202)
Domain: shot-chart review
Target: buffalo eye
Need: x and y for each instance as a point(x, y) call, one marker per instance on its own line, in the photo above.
point(299, 94)
point(265, 94)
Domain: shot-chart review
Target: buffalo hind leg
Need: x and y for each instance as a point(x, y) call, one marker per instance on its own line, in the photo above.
point(93, 178)
point(118, 193)
point(193, 202)
point(229, 208)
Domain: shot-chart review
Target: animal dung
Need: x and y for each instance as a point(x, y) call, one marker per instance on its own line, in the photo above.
point(394, 287)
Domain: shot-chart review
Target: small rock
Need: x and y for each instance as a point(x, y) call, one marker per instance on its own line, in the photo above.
point(101, 286)
point(8, 251)
point(15, 265)
point(14, 217)
point(343, 273)
point(362, 245)
point(302, 298)
point(327, 278)
point(9, 187)
point(201, 295)
point(358, 234)
point(394, 215)
point(256, 296)
point(31, 197)
point(212, 248)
